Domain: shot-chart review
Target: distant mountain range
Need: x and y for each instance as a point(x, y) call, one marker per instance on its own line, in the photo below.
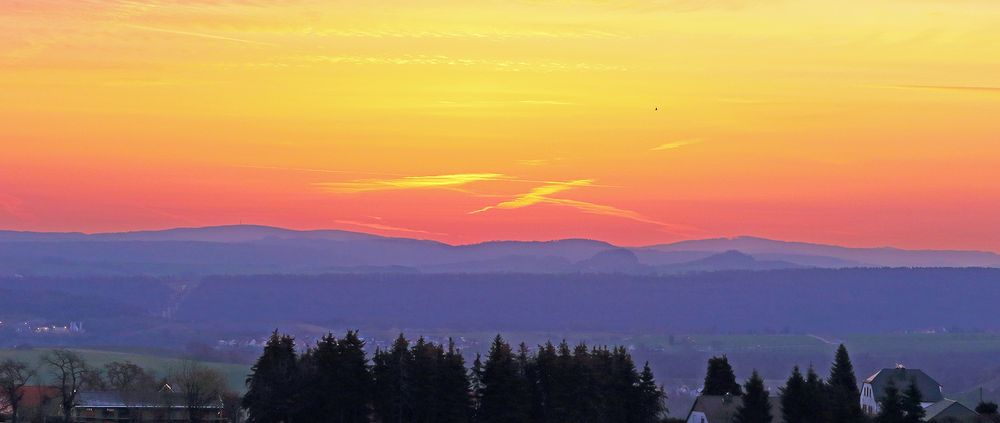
point(247, 249)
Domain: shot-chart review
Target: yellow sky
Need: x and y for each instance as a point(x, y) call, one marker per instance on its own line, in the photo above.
point(856, 122)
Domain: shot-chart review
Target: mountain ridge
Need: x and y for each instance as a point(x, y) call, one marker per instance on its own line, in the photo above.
point(259, 248)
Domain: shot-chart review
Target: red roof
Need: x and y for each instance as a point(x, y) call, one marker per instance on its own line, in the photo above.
point(35, 396)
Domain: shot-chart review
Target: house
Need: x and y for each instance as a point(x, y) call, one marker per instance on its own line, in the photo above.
point(949, 411)
point(36, 402)
point(873, 388)
point(155, 407)
point(722, 408)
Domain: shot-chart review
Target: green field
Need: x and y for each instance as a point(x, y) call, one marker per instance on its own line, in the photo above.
point(160, 366)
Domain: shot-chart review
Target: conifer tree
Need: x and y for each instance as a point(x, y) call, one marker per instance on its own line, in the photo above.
point(987, 408)
point(720, 379)
point(815, 407)
point(843, 394)
point(544, 383)
point(504, 398)
point(585, 395)
point(756, 407)
point(476, 385)
point(652, 399)
point(912, 398)
point(794, 399)
point(890, 405)
point(271, 386)
point(454, 387)
point(392, 385)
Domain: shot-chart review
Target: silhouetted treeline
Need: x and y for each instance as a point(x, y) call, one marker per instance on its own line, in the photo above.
point(803, 399)
point(811, 399)
point(424, 382)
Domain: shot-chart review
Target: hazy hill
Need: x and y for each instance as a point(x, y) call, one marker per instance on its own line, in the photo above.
point(729, 260)
point(884, 256)
point(249, 249)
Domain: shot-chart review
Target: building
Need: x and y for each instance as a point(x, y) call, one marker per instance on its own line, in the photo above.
point(154, 407)
point(722, 408)
point(949, 410)
point(36, 403)
point(873, 388)
point(937, 408)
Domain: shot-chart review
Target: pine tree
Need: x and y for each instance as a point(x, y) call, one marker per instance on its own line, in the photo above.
point(584, 394)
point(454, 387)
point(271, 386)
point(756, 408)
point(987, 408)
point(794, 399)
point(544, 379)
point(393, 390)
point(815, 404)
point(354, 379)
point(720, 379)
point(891, 406)
point(335, 381)
point(912, 398)
point(844, 396)
point(477, 387)
point(652, 399)
point(504, 398)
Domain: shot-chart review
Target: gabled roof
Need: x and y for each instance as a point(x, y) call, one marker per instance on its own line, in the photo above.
point(948, 408)
point(34, 396)
point(110, 399)
point(902, 377)
point(722, 408)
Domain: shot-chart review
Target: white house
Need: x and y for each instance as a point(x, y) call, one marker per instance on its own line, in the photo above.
point(873, 388)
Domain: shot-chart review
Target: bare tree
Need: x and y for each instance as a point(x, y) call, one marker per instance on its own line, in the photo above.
point(126, 376)
point(70, 372)
point(133, 383)
point(232, 405)
point(14, 375)
point(200, 386)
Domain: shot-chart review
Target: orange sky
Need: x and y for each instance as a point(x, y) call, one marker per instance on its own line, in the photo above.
point(851, 122)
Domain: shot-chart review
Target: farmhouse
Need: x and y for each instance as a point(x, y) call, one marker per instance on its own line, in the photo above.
point(949, 410)
point(157, 407)
point(936, 406)
point(874, 386)
point(722, 408)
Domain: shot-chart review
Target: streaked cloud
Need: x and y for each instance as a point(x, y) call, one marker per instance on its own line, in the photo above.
point(675, 144)
point(200, 35)
point(984, 89)
point(384, 227)
point(536, 195)
point(539, 162)
point(542, 195)
point(512, 65)
point(411, 182)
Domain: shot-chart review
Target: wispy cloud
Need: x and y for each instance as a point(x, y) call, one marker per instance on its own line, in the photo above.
point(984, 89)
point(539, 162)
point(542, 195)
point(316, 170)
point(536, 195)
point(200, 35)
point(384, 227)
point(411, 182)
point(675, 144)
point(444, 60)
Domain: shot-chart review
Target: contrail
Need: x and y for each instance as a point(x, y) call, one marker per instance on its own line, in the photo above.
point(201, 35)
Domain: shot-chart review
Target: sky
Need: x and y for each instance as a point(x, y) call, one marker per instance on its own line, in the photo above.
point(851, 122)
